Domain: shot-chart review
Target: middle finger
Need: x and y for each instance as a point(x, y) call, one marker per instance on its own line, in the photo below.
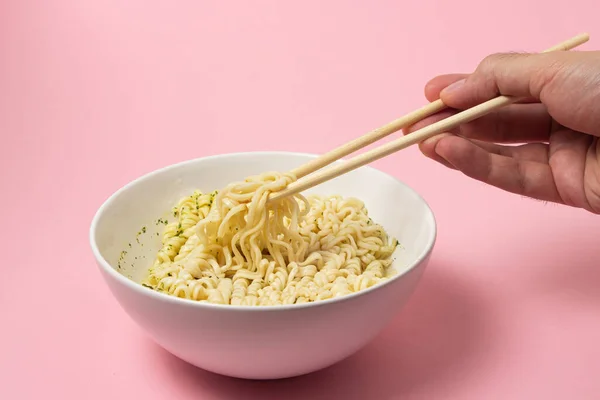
point(517, 123)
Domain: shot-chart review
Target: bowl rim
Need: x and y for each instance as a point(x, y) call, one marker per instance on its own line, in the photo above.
point(144, 291)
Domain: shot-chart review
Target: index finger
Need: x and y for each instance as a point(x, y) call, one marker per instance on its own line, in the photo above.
point(435, 86)
point(566, 82)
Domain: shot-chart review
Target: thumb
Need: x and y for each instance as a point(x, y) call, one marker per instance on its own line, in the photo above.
point(568, 83)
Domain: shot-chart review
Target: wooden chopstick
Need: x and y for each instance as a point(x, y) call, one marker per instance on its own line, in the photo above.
point(371, 137)
point(403, 142)
point(402, 122)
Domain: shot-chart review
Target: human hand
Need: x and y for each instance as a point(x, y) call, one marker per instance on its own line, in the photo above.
point(559, 124)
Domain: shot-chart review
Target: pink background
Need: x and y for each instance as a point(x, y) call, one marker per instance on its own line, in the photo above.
point(96, 93)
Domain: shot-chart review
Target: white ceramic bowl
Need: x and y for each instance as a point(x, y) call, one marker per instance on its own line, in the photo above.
point(256, 342)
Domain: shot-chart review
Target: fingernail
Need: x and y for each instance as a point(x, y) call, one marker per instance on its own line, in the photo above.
point(453, 87)
point(432, 141)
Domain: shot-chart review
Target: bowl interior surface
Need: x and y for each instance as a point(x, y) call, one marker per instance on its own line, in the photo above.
point(126, 232)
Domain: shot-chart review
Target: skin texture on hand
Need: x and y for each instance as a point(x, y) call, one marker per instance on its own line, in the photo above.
point(557, 128)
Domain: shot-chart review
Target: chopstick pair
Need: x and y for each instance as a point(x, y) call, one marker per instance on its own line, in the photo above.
point(317, 177)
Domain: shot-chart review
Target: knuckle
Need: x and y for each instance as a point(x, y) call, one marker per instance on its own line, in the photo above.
point(545, 75)
point(491, 63)
point(490, 71)
point(488, 62)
